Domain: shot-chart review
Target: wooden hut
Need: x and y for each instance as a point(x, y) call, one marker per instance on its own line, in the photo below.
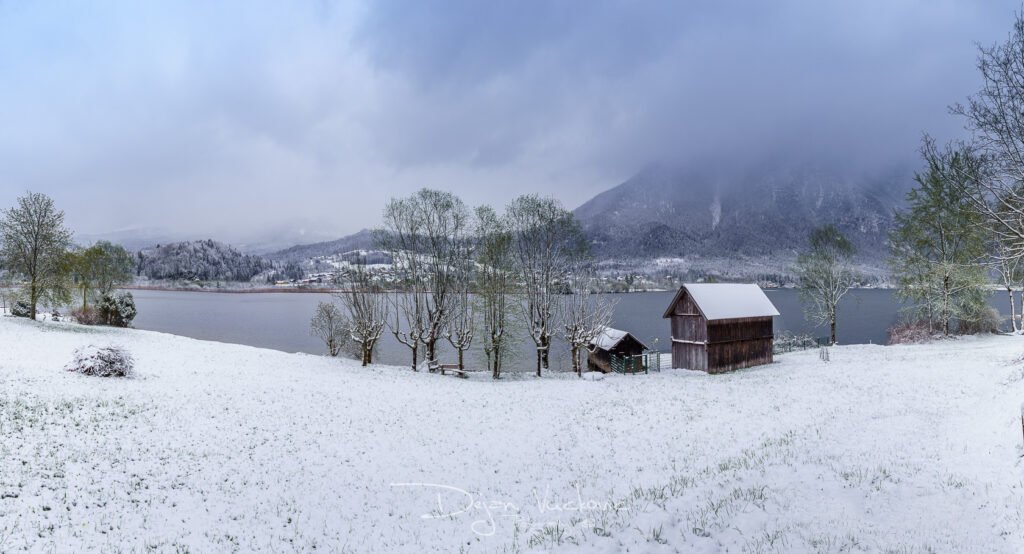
point(721, 327)
point(618, 344)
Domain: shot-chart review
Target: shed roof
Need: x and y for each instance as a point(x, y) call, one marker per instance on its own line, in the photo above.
point(610, 338)
point(718, 301)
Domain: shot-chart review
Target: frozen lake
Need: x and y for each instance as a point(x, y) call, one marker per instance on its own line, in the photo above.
point(281, 320)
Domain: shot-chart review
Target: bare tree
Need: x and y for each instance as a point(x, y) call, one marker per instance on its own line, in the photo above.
point(425, 235)
point(367, 309)
point(400, 237)
point(461, 325)
point(545, 238)
point(583, 314)
point(826, 275)
point(992, 167)
point(494, 284)
point(329, 325)
point(35, 247)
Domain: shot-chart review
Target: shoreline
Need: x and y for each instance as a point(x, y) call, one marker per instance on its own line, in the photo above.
point(251, 290)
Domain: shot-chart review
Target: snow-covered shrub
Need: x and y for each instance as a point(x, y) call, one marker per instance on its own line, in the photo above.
point(107, 361)
point(21, 309)
point(87, 316)
point(910, 332)
point(117, 309)
point(982, 319)
point(788, 342)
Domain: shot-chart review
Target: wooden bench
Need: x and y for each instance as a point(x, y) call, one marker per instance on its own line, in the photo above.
point(450, 368)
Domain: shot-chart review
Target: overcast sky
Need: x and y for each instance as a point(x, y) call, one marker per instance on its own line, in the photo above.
point(240, 119)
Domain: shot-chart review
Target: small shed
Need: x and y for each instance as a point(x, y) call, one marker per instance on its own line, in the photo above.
point(721, 327)
point(613, 343)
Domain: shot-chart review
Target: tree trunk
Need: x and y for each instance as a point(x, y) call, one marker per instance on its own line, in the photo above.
point(1013, 311)
point(832, 339)
point(431, 350)
point(461, 352)
point(538, 361)
point(414, 357)
point(33, 300)
point(546, 343)
point(496, 368)
point(576, 361)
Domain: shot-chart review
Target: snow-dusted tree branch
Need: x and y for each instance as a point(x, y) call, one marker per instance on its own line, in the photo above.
point(938, 244)
point(367, 308)
point(583, 314)
point(991, 168)
point(329, 325)
point(425, 235)
point(826, 274)
point(494, 284)
point(400, 238)
point(545, 238)
point(34, 246)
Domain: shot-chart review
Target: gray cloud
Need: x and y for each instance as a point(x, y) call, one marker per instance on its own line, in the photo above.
point(247, 119)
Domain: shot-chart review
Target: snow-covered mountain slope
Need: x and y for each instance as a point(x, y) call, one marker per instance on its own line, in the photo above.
point(217, 447)
point(363, 240)
point(767, 212)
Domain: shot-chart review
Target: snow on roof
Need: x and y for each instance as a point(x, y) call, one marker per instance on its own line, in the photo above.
point(610, 338)
point(729, 301)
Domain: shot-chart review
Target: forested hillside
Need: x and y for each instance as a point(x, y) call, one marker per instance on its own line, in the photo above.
point(204, 260)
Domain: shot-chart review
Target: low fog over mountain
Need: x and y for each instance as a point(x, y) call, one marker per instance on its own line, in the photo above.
point(666, 211)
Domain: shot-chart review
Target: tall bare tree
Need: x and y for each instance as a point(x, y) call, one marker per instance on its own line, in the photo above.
point(545, 239)
point(425, 235)
point(826, 274)
point(583, 315)
point(991, 168)
point(367, 308)
point(495, 284)
point(35, 247)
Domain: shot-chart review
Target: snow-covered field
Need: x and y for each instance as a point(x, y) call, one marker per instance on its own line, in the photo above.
point(215, 448)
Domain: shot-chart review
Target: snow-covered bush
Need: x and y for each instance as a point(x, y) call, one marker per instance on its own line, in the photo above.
point(117, 309)
point(107, 361)
point(983, 319)
point(87, 316)
point(788, 342)
point(21, 309)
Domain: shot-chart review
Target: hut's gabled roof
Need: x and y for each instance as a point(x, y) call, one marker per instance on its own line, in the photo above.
point(718, 301)
point(610, 338)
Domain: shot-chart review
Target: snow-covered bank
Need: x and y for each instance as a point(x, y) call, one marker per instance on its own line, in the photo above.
point(217, 447)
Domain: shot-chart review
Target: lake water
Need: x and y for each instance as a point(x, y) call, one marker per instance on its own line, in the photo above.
point(281, 320)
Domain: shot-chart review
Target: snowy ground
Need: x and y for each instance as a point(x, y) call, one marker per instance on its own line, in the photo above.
point(219, 447)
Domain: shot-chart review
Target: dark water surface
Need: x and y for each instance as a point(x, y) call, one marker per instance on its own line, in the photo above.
point(281, 320)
